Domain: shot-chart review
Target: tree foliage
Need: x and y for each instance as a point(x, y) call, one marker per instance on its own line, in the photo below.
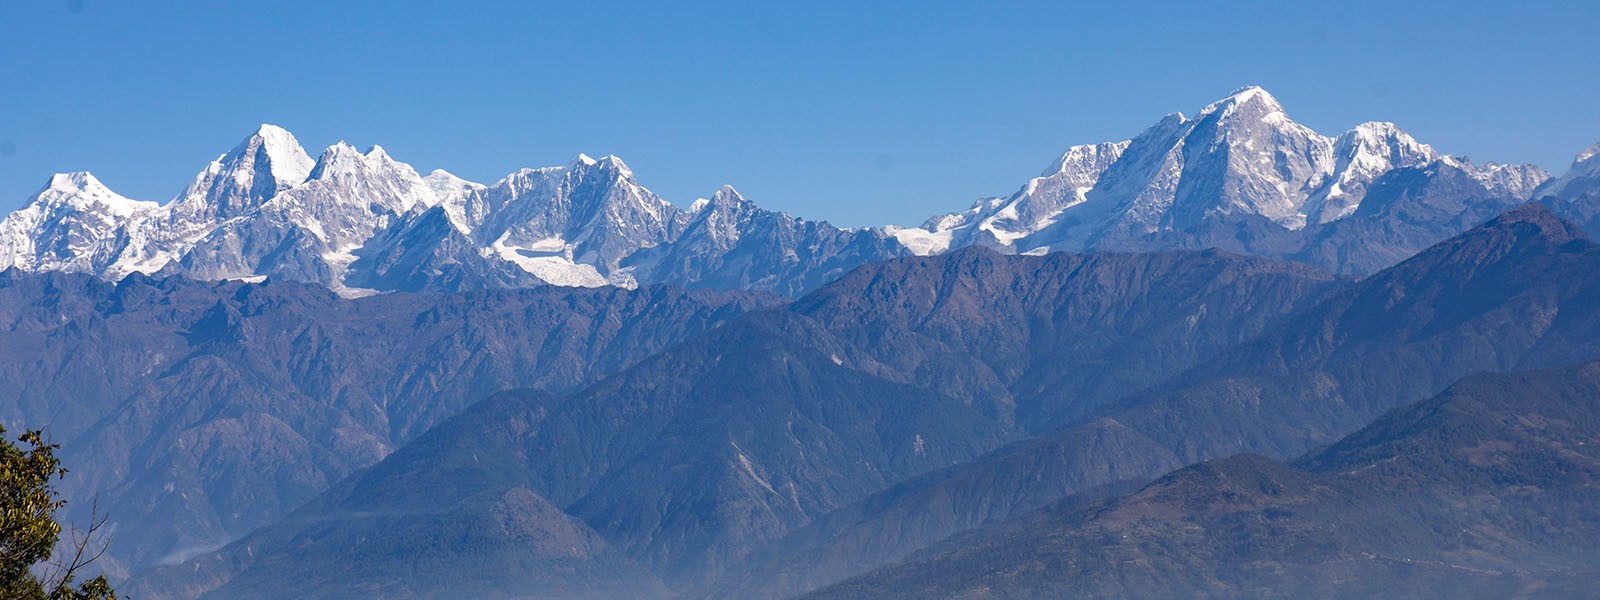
point(29, 532)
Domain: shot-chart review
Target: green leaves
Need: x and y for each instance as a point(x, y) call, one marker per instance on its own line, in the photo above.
point(28, 529)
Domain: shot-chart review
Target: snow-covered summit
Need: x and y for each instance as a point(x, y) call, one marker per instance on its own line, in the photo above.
point(1586, 155)
point(265, 163)
point(460, 199)
point(443, 181)
point(71, 224)
point(341, 158)
point(1585, 171)
point(1360, 156)
point(1239, 158)
point(999, 222)
point(727, 196)
point(1254, 100)
point(81, 191)
point(74, 181)
point(289, 162)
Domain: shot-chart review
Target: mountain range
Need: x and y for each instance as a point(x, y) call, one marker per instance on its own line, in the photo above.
point(691, 459)
point(204, 410)
point(777, 454)
point(1178, 365)
point(1240, 175)
point(359, 222)
point(1517, 293)
point(1484, 491)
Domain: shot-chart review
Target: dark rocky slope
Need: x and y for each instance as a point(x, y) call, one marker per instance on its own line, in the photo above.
point(204, 410)
point(1485, 491)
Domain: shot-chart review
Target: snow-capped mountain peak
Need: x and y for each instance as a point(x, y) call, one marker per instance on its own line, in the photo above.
point(266, 162)
point(339, 159)
point(446, 184)
point(82, 191)
point(74, 181)
point(71, 224)
point(442, 179)
point(1085, 158)
point(1377, 146)
point(289, 162)
point(1585, 169)
point(727, 196)
point(999, 222)
point(1586, 157)
point(1360, 156)
point(607, 163)
point(462, 200)
point(1253, 101)
point(1388, 136)
point(723, 217)
point(371, 177)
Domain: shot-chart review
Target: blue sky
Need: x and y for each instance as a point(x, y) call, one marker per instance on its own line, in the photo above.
point(859, 113)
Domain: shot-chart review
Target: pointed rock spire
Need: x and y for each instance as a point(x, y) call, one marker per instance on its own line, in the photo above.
point(289, 162)
point(726, 196)
point(267, 162)
point(1252, 96)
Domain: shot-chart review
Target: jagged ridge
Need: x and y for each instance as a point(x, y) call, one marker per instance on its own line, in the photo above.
point(1240, 175)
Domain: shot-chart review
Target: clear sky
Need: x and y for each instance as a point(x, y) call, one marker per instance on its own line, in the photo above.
point(855, 112)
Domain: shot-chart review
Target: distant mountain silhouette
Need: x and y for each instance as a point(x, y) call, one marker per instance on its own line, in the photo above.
point(204, 410)
point(1485, 491)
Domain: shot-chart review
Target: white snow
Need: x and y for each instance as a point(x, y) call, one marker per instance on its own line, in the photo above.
point(74, 212)
point(1246, 95)
point(1260, 162)
point(920, 242)
point(1586, 154)
point(290, 163)
point(614, 162)
point(83, 191)
point(552, 269)
point(550, 244)
point(454, 194)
